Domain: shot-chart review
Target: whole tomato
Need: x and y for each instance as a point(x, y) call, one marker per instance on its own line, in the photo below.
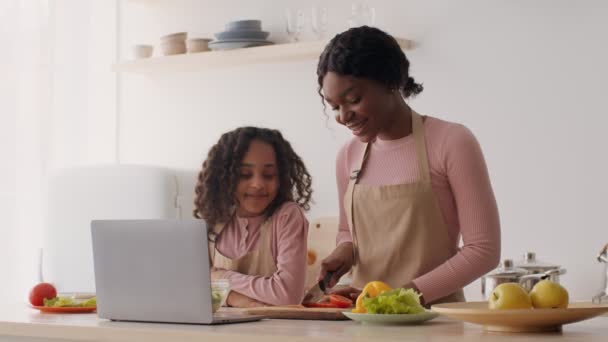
point(41, 291)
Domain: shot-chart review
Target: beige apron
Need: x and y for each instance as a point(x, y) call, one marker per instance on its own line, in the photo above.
point(258, 262)
point(398, 230)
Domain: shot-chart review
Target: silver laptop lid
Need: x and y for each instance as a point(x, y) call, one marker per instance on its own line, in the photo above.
point(152, 270)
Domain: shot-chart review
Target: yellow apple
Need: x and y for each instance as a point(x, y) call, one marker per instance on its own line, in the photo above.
point(547, 294)
point(509, 296)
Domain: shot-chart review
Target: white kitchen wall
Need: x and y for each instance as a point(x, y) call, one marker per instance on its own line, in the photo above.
point(528, 77)
point(25, 93)
point(8, 150)
point(83, 120)
point(56, 92)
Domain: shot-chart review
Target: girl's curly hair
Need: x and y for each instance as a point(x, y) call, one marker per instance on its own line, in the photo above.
point(217, 181)
point(367, 52)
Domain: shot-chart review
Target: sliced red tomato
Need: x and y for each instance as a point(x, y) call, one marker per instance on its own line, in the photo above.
point(340, 301)
point(320, 305)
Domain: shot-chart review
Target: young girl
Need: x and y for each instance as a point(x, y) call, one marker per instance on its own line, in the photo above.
point(252, 191)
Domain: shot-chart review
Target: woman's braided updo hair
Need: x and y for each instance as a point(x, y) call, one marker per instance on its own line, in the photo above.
point(217, 182)
point(367, 52)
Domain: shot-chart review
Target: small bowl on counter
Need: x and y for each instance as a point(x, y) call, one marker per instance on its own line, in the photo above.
point(140, 51)
point(173, 48)
point(197, 45)
point(174, 43)
point(174, 37)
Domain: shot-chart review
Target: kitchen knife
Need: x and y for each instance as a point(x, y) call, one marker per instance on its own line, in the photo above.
point(317, 292)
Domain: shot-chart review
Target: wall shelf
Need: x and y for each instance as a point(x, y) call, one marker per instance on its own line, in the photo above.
point(278, 53)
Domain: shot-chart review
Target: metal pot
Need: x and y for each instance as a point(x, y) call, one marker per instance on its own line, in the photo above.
point(602, 297)
point(508, 273)
point(535, 266)
point(505, 273)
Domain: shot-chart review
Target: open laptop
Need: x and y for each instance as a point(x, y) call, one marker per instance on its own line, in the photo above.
point(155, 271)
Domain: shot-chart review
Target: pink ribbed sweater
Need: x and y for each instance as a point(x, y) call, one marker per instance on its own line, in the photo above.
point(288, 247)
point(461, 185)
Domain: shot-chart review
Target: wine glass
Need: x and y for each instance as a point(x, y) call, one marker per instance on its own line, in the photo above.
point(361, 14)
point(318, 21)
point(355, 16)
point(369, 15)
point(294, 24)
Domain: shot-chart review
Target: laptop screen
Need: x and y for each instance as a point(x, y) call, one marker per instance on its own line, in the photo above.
point(152, 270)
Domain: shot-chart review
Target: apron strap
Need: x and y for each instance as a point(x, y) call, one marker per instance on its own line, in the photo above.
point(350, 191)
point(265, 235)
point(355, 174)
point(421, 152)
point(211, 239)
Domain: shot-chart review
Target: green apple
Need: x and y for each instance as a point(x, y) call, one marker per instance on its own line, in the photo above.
point(509, 296)
point(547, 294)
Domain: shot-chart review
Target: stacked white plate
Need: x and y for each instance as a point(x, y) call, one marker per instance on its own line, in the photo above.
point(240, 34)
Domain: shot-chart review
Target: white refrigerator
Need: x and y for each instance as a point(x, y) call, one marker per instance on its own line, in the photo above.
point(75, 196)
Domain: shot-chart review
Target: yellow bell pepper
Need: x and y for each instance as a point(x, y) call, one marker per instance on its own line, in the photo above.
point(371, 290)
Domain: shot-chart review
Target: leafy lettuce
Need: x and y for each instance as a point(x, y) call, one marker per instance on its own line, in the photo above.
point(397, 301)
point(67, 301)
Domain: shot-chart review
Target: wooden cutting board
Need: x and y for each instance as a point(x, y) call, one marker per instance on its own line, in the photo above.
point(298, 312)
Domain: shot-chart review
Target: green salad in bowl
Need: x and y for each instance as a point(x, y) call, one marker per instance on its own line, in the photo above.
point(219, 292)
point(397, 301)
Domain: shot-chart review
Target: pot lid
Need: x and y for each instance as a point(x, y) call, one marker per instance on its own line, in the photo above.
point(529, 262)
point(507, 269)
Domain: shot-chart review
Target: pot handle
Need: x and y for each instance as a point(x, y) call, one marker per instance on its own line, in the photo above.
point(538, 276)
point(603, 254)
point(557, 271)
point(542, 276)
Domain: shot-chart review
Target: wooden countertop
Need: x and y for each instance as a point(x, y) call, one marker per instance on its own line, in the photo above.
point(19, 320)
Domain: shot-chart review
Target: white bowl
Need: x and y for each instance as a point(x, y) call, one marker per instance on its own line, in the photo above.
point(244, 25)
point(173, 48)
point(197, 44)
point(232, 44)
point(179, 37)
point(142, 51)
point(242, 35)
